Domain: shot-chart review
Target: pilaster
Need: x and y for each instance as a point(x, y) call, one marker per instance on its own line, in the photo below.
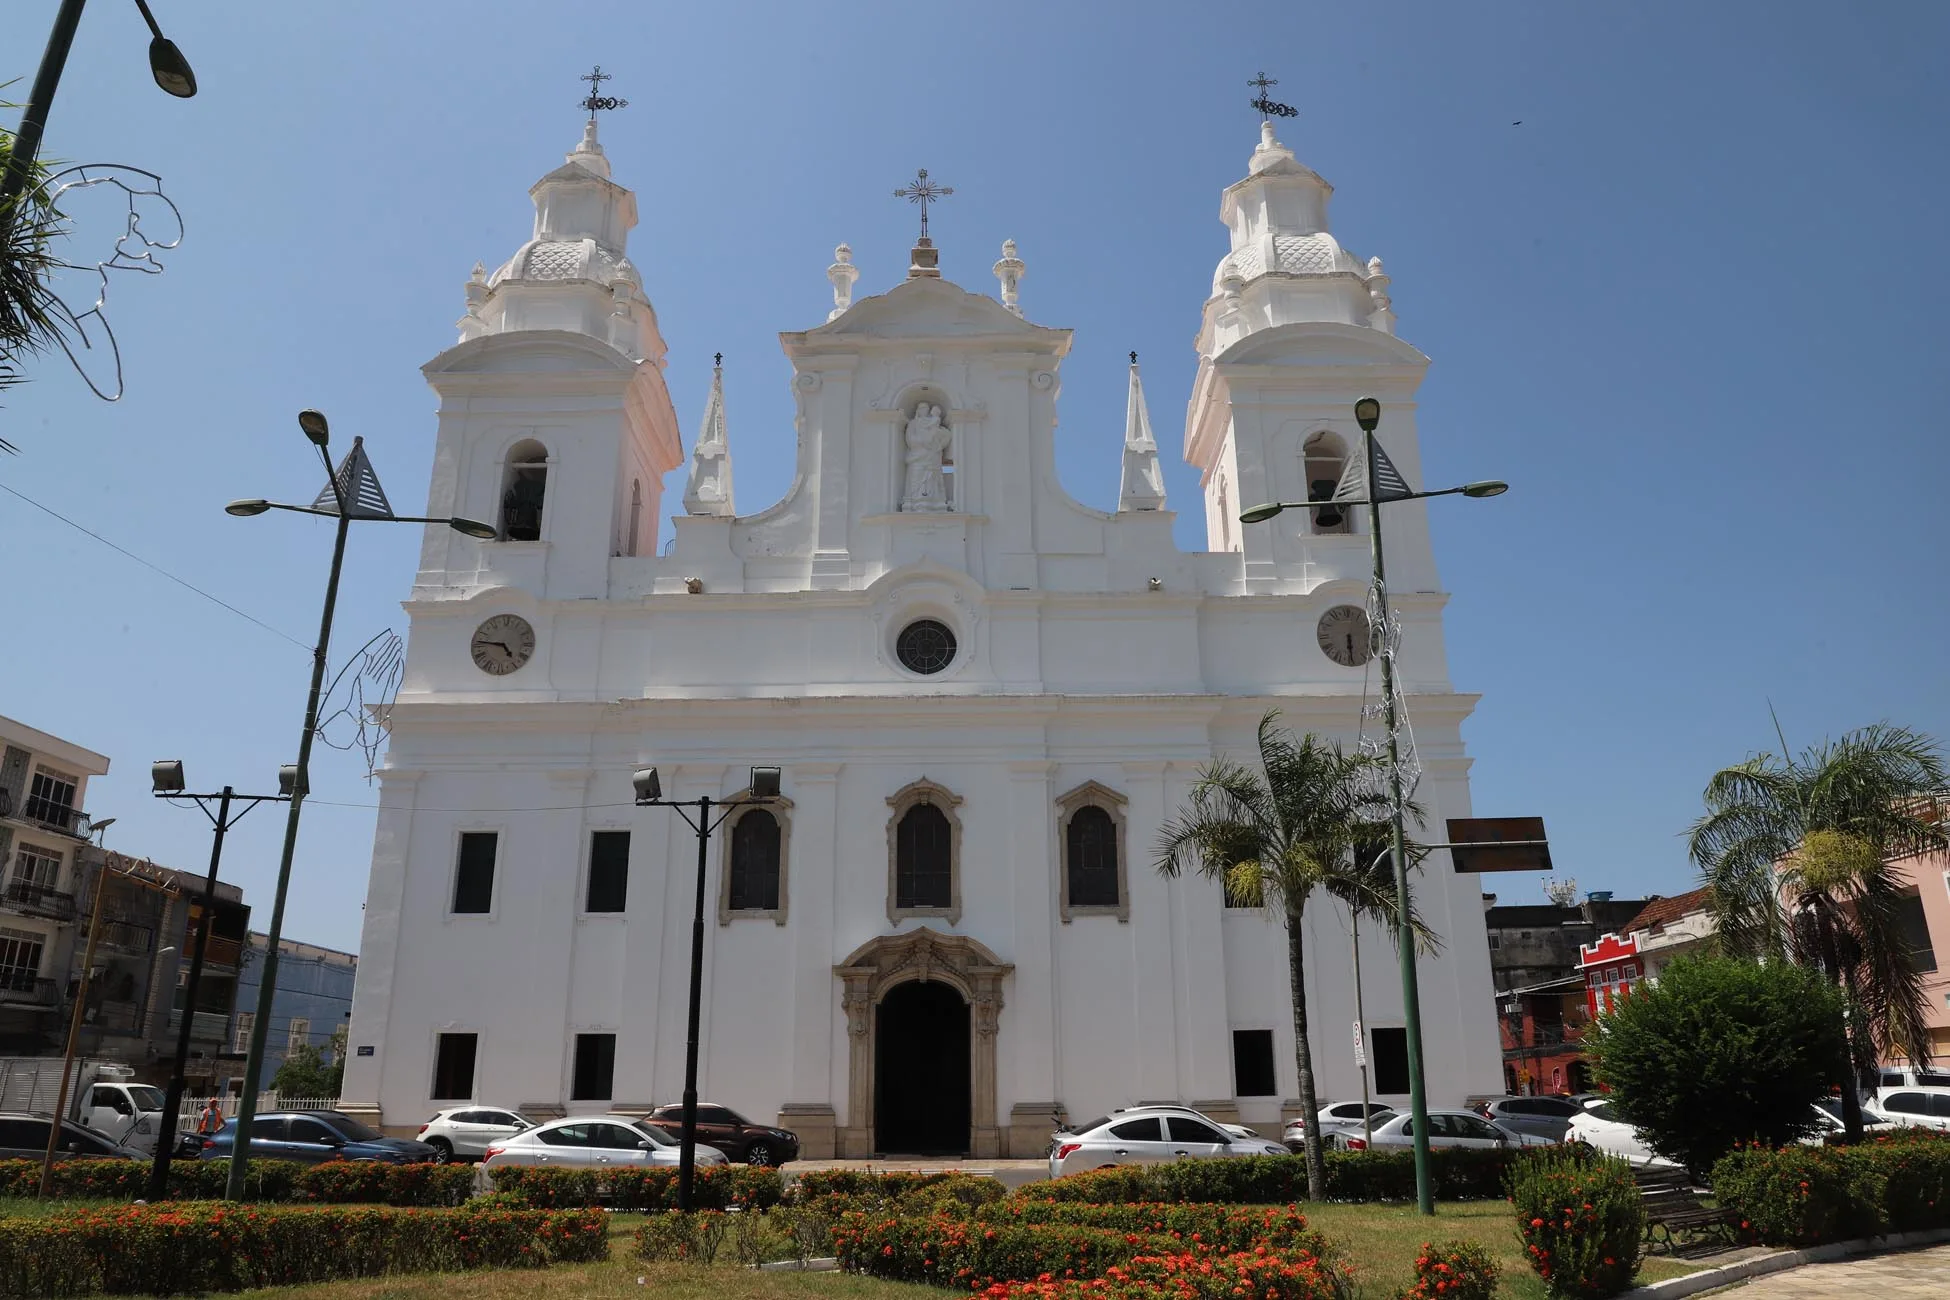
point(812, 884)
point(367, 1037)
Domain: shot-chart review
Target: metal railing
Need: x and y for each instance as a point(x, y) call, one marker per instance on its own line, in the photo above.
point(117, 1018)
point(209, 1026)
point(55, 816)
point(126, 936)
point(39, 900)
point(28, 990)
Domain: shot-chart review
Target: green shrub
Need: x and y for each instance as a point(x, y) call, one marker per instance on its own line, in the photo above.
point(269, 1181)
point(1714, 1028)
point(674, 1235)
point(1580, 1217)
point(166, 1249)
point(1187, 1276)
point(1387, 1175)
point(1452, 1270)
point(949, 1251)
point(718, 1187)
point(1210, 1227)
point(1804, 1196)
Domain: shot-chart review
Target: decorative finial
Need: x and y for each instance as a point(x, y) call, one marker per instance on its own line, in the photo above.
point(717, 359)
point(1143, 483)
point(1265, 103)
point(596, 99)
point(923, 191)
point(1133, 358)
point(1010, 272)
point(842, 273)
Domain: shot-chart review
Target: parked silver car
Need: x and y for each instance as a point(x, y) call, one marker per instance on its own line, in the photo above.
point(1447, 1128)
point(466, 1132)
point(1145, 1135)
point(593, 1142)
point(1338, 1119)
point(1545, 1117)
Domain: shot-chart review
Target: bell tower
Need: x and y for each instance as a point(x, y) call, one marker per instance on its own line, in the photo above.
point(1295, 331)
point(555, 422)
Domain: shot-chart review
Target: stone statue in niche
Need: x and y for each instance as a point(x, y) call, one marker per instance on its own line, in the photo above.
point(925, 490)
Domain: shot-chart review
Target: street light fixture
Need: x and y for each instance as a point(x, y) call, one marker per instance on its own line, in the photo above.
point(1367, 414)
point(764, 787)
point(166, 64)
point(167, 780)
point(351, 492)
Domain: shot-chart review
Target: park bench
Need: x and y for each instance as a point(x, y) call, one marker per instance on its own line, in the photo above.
point(1672, 1207)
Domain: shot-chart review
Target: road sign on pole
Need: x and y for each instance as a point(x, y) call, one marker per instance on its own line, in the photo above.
point(1360, 1046)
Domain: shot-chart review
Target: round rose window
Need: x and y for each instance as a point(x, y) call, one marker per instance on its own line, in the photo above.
point(925, 646)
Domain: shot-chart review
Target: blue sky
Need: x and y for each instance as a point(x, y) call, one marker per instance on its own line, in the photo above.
point(1691, 308)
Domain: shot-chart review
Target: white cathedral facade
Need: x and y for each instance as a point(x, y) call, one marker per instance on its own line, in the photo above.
point(985, 697)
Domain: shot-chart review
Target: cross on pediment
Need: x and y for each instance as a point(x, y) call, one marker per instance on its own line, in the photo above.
point(923, 191)
point(596, 99)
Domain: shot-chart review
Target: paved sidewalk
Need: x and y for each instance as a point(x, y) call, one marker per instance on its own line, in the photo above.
point(1909, 1274)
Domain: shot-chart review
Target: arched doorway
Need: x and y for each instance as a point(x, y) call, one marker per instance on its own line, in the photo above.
point(920, 1071)
point(931, 994)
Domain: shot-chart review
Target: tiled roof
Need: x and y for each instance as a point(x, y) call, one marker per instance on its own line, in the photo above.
point(1664, 911)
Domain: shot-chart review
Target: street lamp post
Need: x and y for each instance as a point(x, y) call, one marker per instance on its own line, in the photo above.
point(166, 781)
point(166, 64)
point(650, 794)
point(352, 492)
point(1367, 414)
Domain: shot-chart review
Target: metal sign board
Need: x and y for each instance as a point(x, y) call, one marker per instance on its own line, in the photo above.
point(1499, 844)
point(1360, 1046)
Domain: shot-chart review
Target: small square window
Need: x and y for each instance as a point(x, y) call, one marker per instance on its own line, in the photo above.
point(1252, 1063)
point(453, 1067)
point(474, 875)
point(609, 871)
point(595, 1069)
point(1390, 1059)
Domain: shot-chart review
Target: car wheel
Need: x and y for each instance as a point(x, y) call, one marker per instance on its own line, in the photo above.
point(443, 1150)
point(759, 1154)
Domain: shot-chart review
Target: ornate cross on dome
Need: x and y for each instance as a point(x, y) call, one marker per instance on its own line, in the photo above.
point(596, 98)
point(1266, 104)
point(923, 191)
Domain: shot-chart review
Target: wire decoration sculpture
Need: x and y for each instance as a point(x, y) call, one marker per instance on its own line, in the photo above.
point(367, 704)
point(1384, 640)
point(134, 251)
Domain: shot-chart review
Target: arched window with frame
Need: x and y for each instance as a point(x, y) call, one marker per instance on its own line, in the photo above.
point(1325, 460)
point(923, 853)
point(524, 492)
point(755, 844)
point(1090, 837)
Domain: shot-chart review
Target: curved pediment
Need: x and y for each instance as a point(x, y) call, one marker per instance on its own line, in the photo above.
point(929, 308)
point(1320, 343)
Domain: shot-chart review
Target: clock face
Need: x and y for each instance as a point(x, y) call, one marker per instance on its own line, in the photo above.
point(1343, 632)
point(502, 644)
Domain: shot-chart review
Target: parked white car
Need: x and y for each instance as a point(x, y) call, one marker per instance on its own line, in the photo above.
point(592, 1142)
point(1147, 1135)
point(1338, 1119)
point(1828, 1114)
point(466, 1132)
point(1447, 1128)
point(1914, 1107)
point(1602, 1127)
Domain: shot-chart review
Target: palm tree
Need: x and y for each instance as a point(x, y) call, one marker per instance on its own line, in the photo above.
point(1275, 837)
point(1795, 853)
point(30, 315)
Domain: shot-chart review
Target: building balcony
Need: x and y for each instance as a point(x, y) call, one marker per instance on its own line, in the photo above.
point(18, 990)
point(35, 899)
point(127, 937)
point(117, 1018)
point(57, 817)
point(217, 951)
point(208, 1027)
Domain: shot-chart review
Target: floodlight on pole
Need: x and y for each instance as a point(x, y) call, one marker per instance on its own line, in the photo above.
point(764, 787)
point(166, 777)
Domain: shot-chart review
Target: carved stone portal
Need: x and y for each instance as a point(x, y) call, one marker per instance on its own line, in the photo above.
point(881, 964)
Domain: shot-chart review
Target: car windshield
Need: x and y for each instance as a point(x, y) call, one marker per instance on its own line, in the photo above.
point(1605, 1111)
point(654, 1133)
point(351, 1129)
point(146, 1098)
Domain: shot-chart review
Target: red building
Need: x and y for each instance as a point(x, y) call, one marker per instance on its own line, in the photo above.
point(1608, 968)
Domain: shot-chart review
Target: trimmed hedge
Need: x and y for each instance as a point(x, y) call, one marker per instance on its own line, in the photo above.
point(165, 1249)
point(717, 1187)
point(1804, 1196)
point(1209, 1227)
point(949, 1251)
point(1460, 1174)
point(335, 1181)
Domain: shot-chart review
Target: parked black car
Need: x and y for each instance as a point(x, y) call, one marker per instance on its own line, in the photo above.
point(23, 1136)
point(314, 1136)
point(742, 1141)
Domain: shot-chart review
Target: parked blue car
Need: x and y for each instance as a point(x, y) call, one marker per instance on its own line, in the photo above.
point(315, 1136)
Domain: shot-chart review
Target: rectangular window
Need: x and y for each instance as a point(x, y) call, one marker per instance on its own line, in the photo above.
point(1914, 927)
point(35, 870)
point(1252, 1063)
point(51, 797)
point(299, 1034)
point(453, 1067)
point(20, 960)
point(595, 1067)
point(1251, 896)
point(474, 876)
point(241, 1040)
point(1496, 941)
point(1390, 1059)
point(609, 871)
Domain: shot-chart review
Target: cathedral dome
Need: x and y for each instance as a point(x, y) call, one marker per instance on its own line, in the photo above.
point(566, 259)
point(1315, 254)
